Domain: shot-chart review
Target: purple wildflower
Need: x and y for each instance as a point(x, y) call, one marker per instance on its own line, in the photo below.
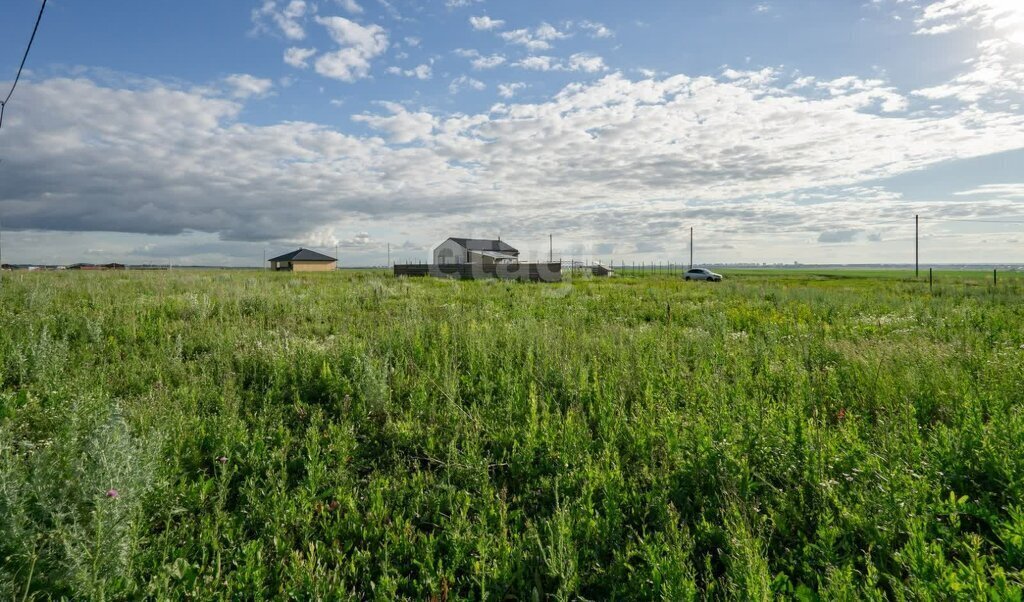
point(112, 493)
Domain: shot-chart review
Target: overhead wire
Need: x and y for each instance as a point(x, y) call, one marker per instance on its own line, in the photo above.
point(3, 104)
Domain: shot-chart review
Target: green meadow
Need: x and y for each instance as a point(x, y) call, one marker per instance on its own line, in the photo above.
point(255, 435)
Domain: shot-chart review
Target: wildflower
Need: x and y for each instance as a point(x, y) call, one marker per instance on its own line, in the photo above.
point(842, 414)
point(222, 460)
point(112, 493)
point(333, 505)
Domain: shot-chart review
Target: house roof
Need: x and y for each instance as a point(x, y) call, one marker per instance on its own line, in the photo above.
point(494, 254)
point(480, 244)
point(302, 255)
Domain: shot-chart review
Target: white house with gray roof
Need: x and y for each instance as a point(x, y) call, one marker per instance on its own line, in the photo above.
point(475, 250)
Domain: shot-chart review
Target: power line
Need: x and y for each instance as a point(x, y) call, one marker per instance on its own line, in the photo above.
point(3, 104)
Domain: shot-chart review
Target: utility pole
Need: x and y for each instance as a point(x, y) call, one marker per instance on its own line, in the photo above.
point(916, 248)
point(551, 249)
point(389, 255)
point(691, 247)
point(263, 265)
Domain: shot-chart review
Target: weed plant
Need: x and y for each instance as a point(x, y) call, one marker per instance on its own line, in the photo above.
point(255, 435)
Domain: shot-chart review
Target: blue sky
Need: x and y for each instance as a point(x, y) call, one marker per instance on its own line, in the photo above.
point(210, 132)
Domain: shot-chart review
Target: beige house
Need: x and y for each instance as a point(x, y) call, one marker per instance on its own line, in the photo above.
point(303, 260)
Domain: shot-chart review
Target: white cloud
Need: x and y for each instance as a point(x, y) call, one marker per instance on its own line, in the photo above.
point(401, 126)
point(995, 73)
point(510, 89)
point(596, 30)
point(577, 62)
point(485, 23)
point(298, 57)
point(287, 18)
point(610, 160)
point(586, 62)
point(949, 15)
point(480, 62)
point(412, 41)
point(464, 81)
point(524, 37)
point(546, 31)
point(244, 85)
point(487, 62)
point(1001, 191)
point(423, 71)
point(351, 6)
point(362, 239)
point(359, 46)
point(536, 39)
point(538, 63)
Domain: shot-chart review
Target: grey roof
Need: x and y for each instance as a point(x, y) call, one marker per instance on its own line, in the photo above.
point(480, 244)
point(302, 255)
point(494, 254)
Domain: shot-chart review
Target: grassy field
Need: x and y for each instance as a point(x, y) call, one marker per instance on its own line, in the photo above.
point(215, 434)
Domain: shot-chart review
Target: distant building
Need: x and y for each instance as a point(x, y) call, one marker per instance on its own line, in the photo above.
point(303, 260)
point(94, 266)
point(475, 250)
point(602, 270)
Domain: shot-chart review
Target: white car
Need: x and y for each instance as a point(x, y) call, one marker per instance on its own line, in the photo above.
point(702, 274)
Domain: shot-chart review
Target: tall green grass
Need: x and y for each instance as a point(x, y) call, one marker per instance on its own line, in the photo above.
point(263, 435)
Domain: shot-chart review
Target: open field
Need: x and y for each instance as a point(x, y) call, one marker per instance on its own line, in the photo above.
point(251, 434)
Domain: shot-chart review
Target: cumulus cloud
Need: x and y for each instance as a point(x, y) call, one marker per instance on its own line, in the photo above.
point(479, 61)
point(580, 61)
point(464, 81)
point(423, 71)
point(487, 62)
point(945, 16)
point(401, 126)
point(546, 31)
point(351, 6)
point(586, 62)
point(538, 63)
point(244, 85)
point(286, 17)
point(510, 89)
point(298, 57)
point(485, 23)
point(534, 39)
point(360, 240)
point(996, 73)
point(359, 45)
point(596, 30)
point(611, 160)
